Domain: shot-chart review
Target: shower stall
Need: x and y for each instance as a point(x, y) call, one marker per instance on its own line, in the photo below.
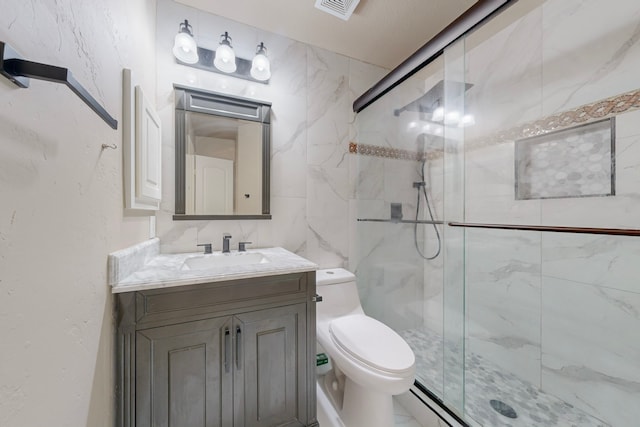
point(512, 265)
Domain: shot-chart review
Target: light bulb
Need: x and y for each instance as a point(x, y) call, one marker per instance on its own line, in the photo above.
point(467, 120)
point(452, 118)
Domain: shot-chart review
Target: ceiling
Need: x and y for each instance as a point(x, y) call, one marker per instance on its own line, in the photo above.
point(380, 32)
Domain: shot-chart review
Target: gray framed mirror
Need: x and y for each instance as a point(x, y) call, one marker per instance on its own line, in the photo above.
point(223, 149)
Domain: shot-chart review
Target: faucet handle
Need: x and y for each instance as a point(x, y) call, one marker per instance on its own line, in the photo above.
point(226, 237)
point(207, 248)
point(242, 246)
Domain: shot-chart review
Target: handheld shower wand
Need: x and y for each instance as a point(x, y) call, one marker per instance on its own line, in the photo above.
point(421, 142)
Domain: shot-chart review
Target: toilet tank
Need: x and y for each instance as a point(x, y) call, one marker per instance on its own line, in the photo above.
point(339, 292)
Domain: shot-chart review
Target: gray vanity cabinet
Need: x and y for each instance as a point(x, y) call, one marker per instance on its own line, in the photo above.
point(239, 353)
point(178, 377)
point(270, 360)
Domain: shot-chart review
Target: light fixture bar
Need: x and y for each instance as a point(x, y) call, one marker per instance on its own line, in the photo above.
point(205, 62)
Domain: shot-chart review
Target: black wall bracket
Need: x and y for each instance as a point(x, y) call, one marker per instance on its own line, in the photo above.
point(19, 71)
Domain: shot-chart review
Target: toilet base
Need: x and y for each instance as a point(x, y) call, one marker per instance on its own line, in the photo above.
point(364, 407)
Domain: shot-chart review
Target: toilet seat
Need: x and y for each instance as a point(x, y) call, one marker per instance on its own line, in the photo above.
point(372, 343)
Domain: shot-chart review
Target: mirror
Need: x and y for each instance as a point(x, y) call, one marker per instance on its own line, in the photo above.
point(222, 156)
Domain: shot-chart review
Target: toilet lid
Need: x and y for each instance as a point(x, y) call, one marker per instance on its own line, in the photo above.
point(372, 342)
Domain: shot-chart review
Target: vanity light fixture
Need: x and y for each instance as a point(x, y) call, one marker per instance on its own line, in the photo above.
point(260, 67)
point(184, 46)
point(223, 59)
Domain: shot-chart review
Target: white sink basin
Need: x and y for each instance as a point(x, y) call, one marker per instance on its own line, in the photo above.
point(213, 261)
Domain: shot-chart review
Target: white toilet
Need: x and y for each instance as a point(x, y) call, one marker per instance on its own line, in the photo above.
point(371, 362)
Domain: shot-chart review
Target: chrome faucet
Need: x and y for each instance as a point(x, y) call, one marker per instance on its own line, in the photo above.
point(225, 243)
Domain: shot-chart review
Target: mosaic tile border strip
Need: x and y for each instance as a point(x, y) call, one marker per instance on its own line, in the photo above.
point(607, 108)
point(386, 152)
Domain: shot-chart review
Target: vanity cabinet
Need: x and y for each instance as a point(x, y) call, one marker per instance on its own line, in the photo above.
point(234, 353)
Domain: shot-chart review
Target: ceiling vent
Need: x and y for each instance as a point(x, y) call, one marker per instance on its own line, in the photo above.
point(340, 8)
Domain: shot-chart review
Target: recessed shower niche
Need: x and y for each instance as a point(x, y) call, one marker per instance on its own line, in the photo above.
point(574, 162)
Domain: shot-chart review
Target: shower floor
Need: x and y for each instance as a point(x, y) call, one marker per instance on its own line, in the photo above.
point(485, 381)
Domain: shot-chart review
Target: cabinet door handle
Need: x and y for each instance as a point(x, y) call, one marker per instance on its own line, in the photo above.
point(238, 346)
point(317, 298)
point(227, 348)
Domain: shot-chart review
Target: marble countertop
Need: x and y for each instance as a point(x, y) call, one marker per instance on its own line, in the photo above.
point(142, 267)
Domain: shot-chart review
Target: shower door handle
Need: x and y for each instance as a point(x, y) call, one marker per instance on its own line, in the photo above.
point(316, 298)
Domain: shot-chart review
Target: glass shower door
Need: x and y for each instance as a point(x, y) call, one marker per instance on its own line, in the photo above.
point(401, 263)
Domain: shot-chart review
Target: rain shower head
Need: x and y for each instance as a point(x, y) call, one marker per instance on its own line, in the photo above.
point(434, 97)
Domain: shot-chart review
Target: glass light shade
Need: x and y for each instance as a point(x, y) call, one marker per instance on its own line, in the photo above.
point(225, 60)
point(438, 114)
point(185, 48)
point(260, 67)
point(467, 120)
point(452, 118)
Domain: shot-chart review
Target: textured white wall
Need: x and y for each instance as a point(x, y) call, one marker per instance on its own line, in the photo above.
point(61, 208)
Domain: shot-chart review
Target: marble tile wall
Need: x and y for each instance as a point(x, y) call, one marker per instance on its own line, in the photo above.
point(503, 281)
point(560, 311)
point(590, 348)
point(311, 91)
point(584, 62)
point(391, 274)
point(389, 270)
point(503, 296)
point(528, 296)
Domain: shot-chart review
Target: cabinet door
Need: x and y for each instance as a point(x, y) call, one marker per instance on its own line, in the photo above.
point(270, 378)
point(181, 380)
point(148, 150)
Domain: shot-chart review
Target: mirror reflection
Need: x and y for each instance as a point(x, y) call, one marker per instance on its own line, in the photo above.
point(222, 156)
point(223, 166)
